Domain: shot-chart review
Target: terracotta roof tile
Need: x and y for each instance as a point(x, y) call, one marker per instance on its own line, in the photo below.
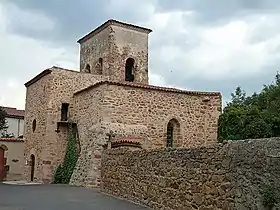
point(13, 112)
point(128, 139)
point(12, 139)
point(138, 85)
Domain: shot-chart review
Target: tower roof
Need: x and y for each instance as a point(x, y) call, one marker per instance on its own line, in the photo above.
point(113, 22)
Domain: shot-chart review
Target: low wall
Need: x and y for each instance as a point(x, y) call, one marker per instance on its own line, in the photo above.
point(224, 176)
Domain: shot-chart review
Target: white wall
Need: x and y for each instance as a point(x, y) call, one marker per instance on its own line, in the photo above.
point(15, 126)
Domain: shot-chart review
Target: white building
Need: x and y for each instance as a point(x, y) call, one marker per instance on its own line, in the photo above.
point(15, 120)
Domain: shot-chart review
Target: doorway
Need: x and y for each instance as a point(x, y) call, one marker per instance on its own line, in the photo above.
point(32, 163)
point(2, 163)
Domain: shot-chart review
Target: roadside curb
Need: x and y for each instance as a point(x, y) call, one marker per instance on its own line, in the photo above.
point(20, 183)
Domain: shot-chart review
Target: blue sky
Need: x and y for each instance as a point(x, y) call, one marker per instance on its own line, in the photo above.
point(196, 44)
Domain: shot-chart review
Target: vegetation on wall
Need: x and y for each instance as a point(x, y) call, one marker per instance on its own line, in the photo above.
point(270, 197)
point(255, 116)
point(64, 171)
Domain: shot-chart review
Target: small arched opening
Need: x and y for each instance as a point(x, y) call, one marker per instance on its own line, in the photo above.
point(32, 165)
point(172, 133)
point(87, 68)
point(129, 70)
point(100, 66)
point(34, 125)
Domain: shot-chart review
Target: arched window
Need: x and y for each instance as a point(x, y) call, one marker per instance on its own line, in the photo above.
point(129, 70)
point(100, 66)
point(34, 125)
point(87, 68)
point(172, 133)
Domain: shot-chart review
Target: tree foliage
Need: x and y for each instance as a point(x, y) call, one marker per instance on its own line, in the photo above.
point(255, 116)
point(3, 123)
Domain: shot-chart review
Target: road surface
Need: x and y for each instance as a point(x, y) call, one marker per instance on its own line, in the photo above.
point(59, 197)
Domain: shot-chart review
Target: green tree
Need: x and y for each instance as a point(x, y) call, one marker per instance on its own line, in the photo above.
point(255, 116)
point(3, 122)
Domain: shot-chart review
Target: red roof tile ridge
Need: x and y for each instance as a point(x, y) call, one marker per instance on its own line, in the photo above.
point(153, 87)
point(11, 139)
point(128, 139)
point(11, 111)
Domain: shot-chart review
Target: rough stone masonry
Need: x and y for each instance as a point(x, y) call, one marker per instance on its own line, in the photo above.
point(110, 92)
point(227, 176)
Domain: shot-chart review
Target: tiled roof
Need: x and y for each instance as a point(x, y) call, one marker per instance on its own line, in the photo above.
point(125, 142)
point(13, 112)
point(128, 139)
point(12, 139)
point(113, 22)
point(138, 85)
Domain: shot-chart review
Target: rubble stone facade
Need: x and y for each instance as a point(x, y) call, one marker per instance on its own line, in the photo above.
point(110, 94)
point(229, 176)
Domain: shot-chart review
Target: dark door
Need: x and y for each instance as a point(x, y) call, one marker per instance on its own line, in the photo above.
point(32, 167)
point(2, 163)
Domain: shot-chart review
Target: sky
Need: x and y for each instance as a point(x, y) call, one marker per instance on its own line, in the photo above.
point(199, 45)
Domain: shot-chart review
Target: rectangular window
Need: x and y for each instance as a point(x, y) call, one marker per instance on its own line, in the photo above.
point(64, 112)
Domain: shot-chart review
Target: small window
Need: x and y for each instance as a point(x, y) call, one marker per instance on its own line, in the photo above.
point(34, 125)
point(173, 133)
point(88, 68)
point(64, 112)
point(129, 69)
point(100, 66)
point(169, 135)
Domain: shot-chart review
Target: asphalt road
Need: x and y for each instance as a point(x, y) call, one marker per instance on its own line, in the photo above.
point(59, 197)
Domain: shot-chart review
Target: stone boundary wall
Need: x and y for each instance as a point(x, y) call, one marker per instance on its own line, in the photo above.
point(221, 176)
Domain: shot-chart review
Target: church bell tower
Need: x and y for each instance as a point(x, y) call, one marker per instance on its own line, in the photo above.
point(117, 50)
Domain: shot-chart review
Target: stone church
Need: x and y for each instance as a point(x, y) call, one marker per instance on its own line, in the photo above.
point(111, 104)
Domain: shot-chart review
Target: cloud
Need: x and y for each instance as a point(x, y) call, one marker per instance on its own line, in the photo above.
point(220, 11)
point(21, 58)
point(198, 45)
point(213, 53)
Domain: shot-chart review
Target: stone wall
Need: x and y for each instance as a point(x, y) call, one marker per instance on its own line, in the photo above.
point(155, 108)
point(128, 43)
point(229, 176)
point(43, 103)
point(37, 97)
point(93, 49)
point(93, 128)
point(114, 45)
point(88, 115)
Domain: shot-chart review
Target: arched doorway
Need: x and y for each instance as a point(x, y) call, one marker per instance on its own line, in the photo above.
point(172, 133)
point(2, 163)
point(32, 164)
